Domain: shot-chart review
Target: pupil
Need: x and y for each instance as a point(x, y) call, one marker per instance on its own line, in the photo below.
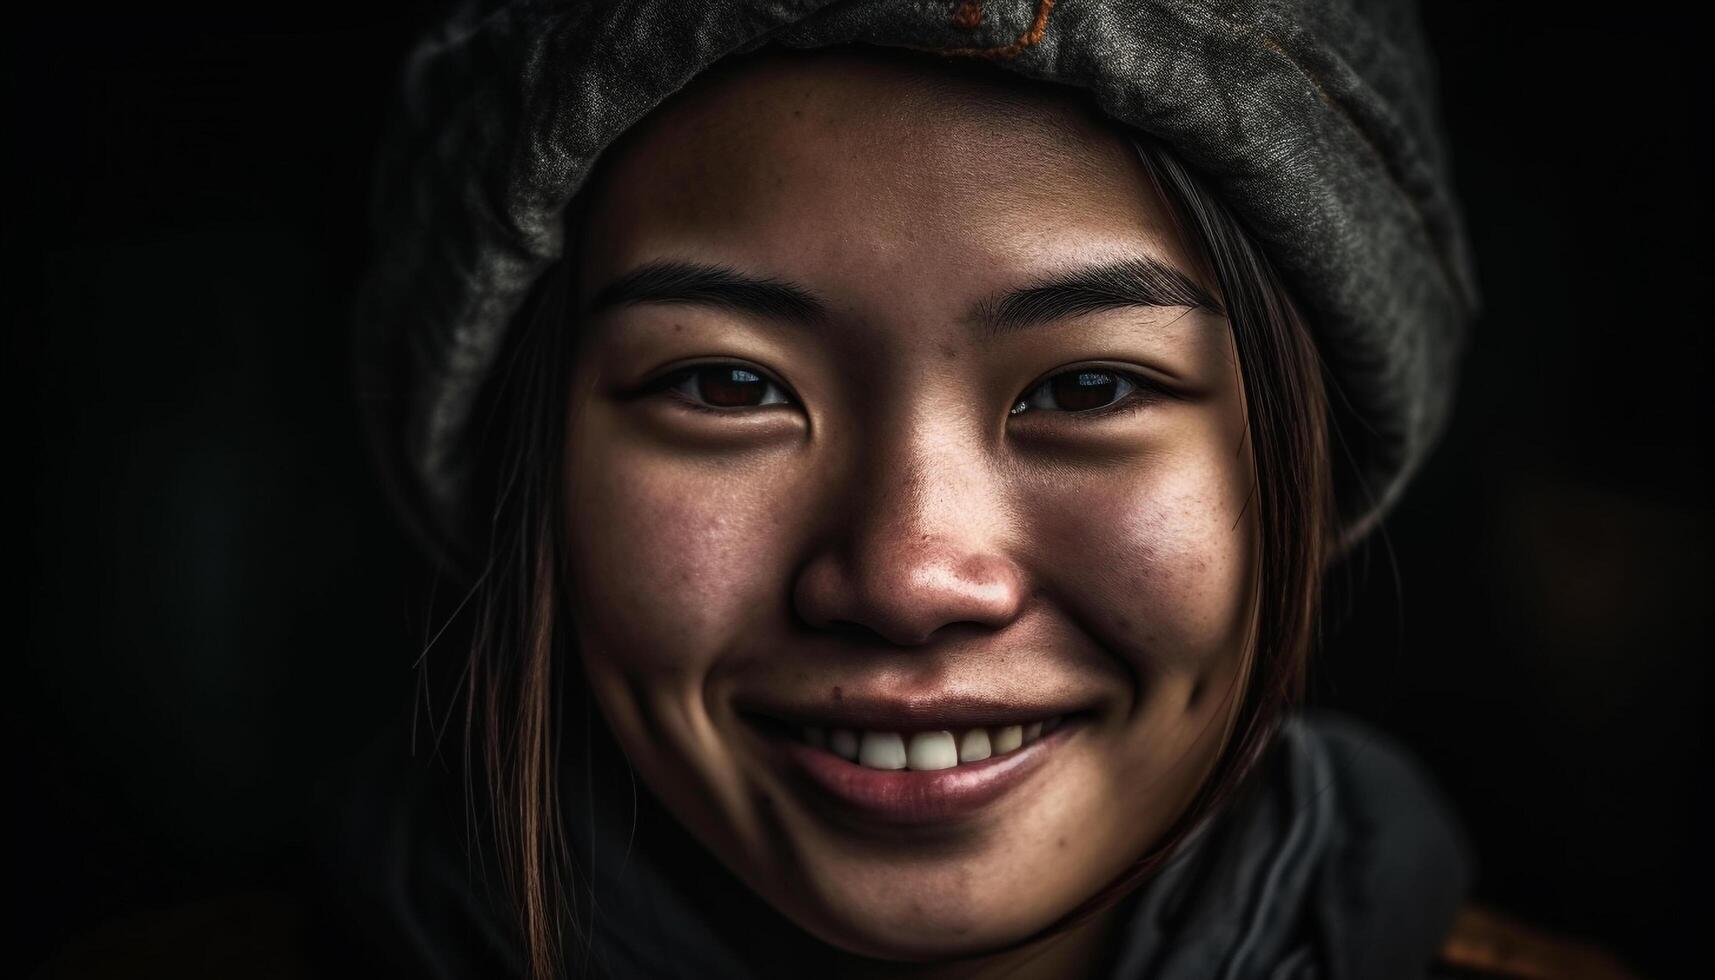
point(730, 387)
point(1084, 390)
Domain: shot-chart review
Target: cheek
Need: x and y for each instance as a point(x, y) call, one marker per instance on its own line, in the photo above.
point(668, 561)
point(1156, 558)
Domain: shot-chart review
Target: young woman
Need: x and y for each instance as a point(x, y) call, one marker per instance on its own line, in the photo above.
point(894, 489)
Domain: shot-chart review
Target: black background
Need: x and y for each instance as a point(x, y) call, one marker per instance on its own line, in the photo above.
point(216, 604)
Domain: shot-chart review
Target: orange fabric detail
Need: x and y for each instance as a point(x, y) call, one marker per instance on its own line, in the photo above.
point(1486, 941)
point(968, 14)
point(1032, 35)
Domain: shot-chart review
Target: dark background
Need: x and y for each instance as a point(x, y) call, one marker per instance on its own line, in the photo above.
point(216, 604)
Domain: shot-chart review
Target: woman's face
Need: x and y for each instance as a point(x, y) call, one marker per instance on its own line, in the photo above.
point(891, 436)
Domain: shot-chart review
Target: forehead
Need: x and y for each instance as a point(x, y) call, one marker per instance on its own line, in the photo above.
point(873, 160)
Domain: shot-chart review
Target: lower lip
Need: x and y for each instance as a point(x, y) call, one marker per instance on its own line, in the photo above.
point(906, 797)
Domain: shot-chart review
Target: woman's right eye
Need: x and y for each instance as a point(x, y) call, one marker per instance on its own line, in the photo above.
point(724, 387)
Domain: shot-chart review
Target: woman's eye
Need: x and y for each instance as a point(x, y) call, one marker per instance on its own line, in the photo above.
point(732, 386)
point(724, 386)
point(1082, 390)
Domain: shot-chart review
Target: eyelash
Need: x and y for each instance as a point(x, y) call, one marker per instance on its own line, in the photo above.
point(1144, 391)
point(671, 383)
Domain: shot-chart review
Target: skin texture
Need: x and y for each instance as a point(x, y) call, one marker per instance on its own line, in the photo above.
point(888, 527)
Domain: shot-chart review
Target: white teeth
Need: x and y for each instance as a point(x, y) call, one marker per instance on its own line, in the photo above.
point(925, 751)
point(882, 750)
point(844, 743)
point(932, 750)
point(974, 747)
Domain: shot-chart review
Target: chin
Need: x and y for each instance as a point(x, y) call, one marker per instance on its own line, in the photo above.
point(929, 917)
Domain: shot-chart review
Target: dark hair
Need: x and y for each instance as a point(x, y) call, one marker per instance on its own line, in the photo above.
point(1287, 431)
point(521, 670)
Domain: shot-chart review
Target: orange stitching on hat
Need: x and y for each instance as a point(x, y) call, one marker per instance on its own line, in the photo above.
point(1032, 35)
point(968, 14)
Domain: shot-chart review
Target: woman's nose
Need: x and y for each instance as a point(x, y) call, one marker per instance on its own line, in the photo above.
point(922, 545)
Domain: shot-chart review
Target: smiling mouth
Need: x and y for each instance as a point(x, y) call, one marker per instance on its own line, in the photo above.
point(925, 751)
point(924, 775)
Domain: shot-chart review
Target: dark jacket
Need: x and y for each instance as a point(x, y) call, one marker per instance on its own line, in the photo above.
point(1340, 860)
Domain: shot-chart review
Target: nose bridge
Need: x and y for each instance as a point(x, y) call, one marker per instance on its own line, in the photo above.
point(922, 536)
point(925, 484)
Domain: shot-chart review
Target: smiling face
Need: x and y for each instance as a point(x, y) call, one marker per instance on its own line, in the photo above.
point(904, 495)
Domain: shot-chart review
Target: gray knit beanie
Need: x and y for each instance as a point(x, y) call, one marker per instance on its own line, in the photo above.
point(1315, 120)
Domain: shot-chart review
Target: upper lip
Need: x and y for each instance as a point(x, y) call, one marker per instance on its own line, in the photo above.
point(870, 712)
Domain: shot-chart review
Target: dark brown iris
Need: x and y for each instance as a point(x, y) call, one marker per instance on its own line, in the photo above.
point(731, 387)
point(1077, 391)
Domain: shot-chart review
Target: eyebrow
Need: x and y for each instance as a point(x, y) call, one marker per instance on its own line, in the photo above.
point(695, 283)
point(1139, 281)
